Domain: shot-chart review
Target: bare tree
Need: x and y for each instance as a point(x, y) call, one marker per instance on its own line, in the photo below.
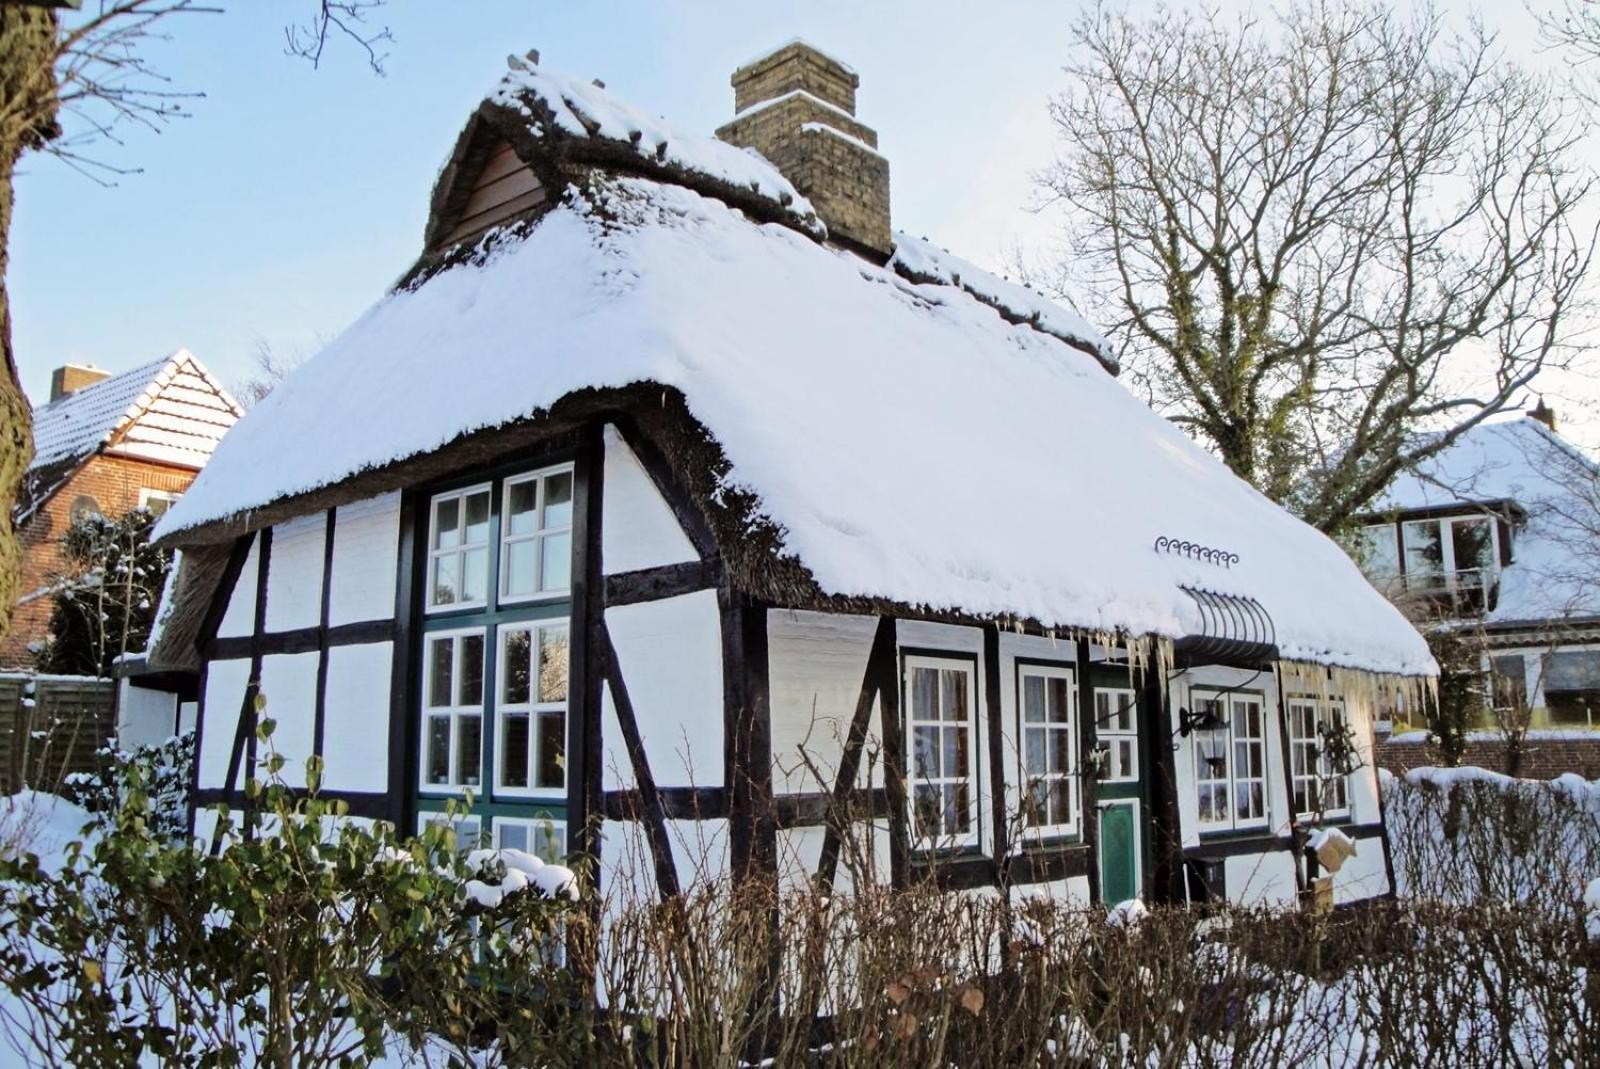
point(270, 370)
point(1319, 235)
point(64, 87)
point(1573, 28)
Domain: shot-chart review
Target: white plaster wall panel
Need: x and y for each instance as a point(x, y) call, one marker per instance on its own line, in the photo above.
point(144, 717)
point(669, 654)
point(637, 527)
point(225, 685)
point(799, 850)
point(240, 617)
point(187, 713)
point(1363, 875)
point(205, 825)
point(817, 663)
point(1364, 808)
point(928, 635)
point(616, 768)
point(366, 547)
point(1261, 879)
point(294, 574)
point(627, 871)
point(866, 852)
point(289, 684)
point(700, 851)
point(355, 730)
point(1066, 894)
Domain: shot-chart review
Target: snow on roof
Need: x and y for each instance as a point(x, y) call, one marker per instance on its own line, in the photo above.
point(583, 109)
point(179, 409)
point(1552, 574)
point(912, 443)
point(921, 260)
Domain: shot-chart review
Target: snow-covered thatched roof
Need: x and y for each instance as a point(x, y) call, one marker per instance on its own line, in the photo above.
point(919, 443)
point(1554, 574)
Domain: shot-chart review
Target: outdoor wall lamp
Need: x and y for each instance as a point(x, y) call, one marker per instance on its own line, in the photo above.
point(1205, 720)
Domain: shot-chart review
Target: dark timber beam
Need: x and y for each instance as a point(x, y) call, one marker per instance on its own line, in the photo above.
point(878, 676)
point(1160, 756)
point(997, 758)
point(405, 730)
point(208, 631)
point(585, 806)
point(747, 736)
point(1088, 742)
point(650, 809)
point(660, 583)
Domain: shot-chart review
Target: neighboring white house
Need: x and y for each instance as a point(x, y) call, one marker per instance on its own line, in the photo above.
point(681, 511)
point(1498, 537)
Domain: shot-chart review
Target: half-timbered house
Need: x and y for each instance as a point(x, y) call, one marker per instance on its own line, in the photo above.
point(679, 509)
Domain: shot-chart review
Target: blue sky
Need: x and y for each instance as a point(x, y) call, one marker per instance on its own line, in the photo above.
point(292, 198)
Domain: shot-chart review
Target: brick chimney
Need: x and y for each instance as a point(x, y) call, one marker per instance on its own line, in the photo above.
point(1543, 413)
point(70, 378)
point(796, 106)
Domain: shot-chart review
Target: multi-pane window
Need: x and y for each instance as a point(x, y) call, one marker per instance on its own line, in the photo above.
point(458, 549)
point(942, 738)
point(1231, 762)
point(1049, 749)
point(531, 708)
point(452, 709)
point(541, 836)
point(468, 830)
point(1318, 761)
point(536, 535)
point(1456, 553)
point(1116, 719)
point(1572, 687)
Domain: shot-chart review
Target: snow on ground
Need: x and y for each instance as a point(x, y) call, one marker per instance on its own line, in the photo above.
point(42, 824)
point(911, 442)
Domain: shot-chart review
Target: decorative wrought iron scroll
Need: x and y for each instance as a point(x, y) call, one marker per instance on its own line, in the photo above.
point(1222, 558)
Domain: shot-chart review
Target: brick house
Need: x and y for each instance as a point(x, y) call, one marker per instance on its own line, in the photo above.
point(108, 444)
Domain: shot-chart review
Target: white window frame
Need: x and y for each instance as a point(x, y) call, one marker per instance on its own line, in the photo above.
point(470, 820)
point(458, 551)
point(1310, 768)
point(532, 709)
point(1114, 739)
point(1048, 728)
point(147, 495)
point(456, 711)
point(554, 829)
point(1450, 575)
point(537, 536)
point(1234, 706)
point(967, 667)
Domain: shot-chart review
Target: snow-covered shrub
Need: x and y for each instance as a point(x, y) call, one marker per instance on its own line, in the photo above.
point(160, 772)
point(300, 938)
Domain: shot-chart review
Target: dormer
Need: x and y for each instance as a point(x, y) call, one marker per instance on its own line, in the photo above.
point(1446, 558)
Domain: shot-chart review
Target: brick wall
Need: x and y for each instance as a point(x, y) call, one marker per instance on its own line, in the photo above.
point(1542, 757)
point(114, 483)
point(795, 66)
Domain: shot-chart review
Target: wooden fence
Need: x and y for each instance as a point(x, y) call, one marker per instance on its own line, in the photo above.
point(51, 726)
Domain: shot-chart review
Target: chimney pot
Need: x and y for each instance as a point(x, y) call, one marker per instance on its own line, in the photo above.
point(1543, 413)
point(70, 378)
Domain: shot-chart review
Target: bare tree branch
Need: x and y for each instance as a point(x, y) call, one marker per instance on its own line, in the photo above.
point(341, 17)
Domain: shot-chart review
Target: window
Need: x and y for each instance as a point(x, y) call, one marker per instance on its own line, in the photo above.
point(1318, 762)
point(1508, 682)
point(1572, 687)
point(1116, 719)
point(452, 720)
point(468, 829)
point(1458, 553)
point(458, 549)
point(542, 836)
point(1231, 764)
point(943, 751)
point(1048, 707)
point(531, 708)
point(1378, 553)
point(536, 542)
point(157, 502)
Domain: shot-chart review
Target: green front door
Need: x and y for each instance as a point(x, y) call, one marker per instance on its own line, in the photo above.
point(1119, 851)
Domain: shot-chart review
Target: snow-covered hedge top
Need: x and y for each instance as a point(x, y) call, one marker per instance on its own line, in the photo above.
point(914, 444)
point(1552, 574)
point(583, 109)
point(918, 259)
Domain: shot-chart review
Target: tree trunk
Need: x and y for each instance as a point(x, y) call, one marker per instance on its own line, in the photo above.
point(28, 104)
